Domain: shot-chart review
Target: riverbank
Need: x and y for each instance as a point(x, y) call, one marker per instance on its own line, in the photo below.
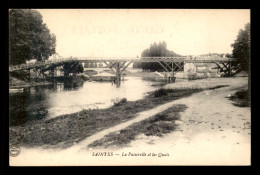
point(67, 130)
point(207, 130)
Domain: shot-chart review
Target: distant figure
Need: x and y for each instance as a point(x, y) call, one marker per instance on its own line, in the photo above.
point(113, 81)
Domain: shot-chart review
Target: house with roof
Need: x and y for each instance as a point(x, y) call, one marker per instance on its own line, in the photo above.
point(201, 70)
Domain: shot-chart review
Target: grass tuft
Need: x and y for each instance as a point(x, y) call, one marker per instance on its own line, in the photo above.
point(119, 102)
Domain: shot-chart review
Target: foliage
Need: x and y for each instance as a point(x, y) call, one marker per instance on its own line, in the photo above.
point(242, 47)
point(80, 68)
point(241, 98)
point(164, 92)
point(160, 92)
point(118, 102)
point(155, 50)
point(29, 37)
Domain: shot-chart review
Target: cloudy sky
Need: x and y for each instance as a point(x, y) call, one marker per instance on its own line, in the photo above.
point(126, 33)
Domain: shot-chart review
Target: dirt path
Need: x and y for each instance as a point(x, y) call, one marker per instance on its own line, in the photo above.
point(140, 116)
point(220, 135)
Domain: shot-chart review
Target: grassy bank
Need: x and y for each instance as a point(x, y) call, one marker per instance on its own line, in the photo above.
point(157, 125)
point(66, 130)
point(241, 98)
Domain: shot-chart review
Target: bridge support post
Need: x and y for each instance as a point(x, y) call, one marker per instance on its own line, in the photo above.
point(230, 70)
point(29, 75)
point(171, 70)
point(172, 78)
point(118, 77)
point(226, 68)
point(119, 67)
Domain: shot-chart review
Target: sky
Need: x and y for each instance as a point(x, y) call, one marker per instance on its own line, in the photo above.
point(127, 32)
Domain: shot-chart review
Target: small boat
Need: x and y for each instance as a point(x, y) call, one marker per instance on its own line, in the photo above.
point(16, 90)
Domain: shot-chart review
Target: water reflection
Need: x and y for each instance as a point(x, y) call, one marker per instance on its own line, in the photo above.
point(48, 101)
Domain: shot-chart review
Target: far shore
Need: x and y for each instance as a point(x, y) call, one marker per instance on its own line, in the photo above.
point(15, 83)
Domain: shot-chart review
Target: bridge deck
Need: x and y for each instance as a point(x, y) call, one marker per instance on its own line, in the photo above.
point(40, 64)
point(116, 59)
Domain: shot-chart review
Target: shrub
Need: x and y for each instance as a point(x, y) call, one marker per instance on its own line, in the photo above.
point(118, 102)
point(160, 92)
point(241, 98)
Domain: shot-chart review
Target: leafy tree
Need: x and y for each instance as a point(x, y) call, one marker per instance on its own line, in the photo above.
point(29, 37)
point(242, 47)
point(155, 50)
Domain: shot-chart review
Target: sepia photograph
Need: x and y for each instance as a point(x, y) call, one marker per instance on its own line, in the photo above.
point(129, 87)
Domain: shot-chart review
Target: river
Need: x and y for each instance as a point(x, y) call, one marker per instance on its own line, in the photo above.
point(49, 101)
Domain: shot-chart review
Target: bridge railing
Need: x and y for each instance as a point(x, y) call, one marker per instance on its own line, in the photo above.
point(154, 59)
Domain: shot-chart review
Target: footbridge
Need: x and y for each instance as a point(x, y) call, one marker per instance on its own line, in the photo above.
point(45, 69)
point(117, 64)
point(171, 65)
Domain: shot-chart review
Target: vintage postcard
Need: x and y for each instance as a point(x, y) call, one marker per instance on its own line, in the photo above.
point(103, 87)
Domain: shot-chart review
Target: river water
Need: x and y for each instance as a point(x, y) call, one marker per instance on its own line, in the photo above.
point(49, 101)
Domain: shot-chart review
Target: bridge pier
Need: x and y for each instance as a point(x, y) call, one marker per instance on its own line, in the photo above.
point(118, 68)
point(53, 72)
point(225, 67)
point(29, 75)
point(171, 70)
point(230, 70)
point(118, 76)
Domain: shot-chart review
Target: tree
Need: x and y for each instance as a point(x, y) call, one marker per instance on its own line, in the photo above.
point(29, 37)
point(155, 50)
point(242, 47)
point(80, 68)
